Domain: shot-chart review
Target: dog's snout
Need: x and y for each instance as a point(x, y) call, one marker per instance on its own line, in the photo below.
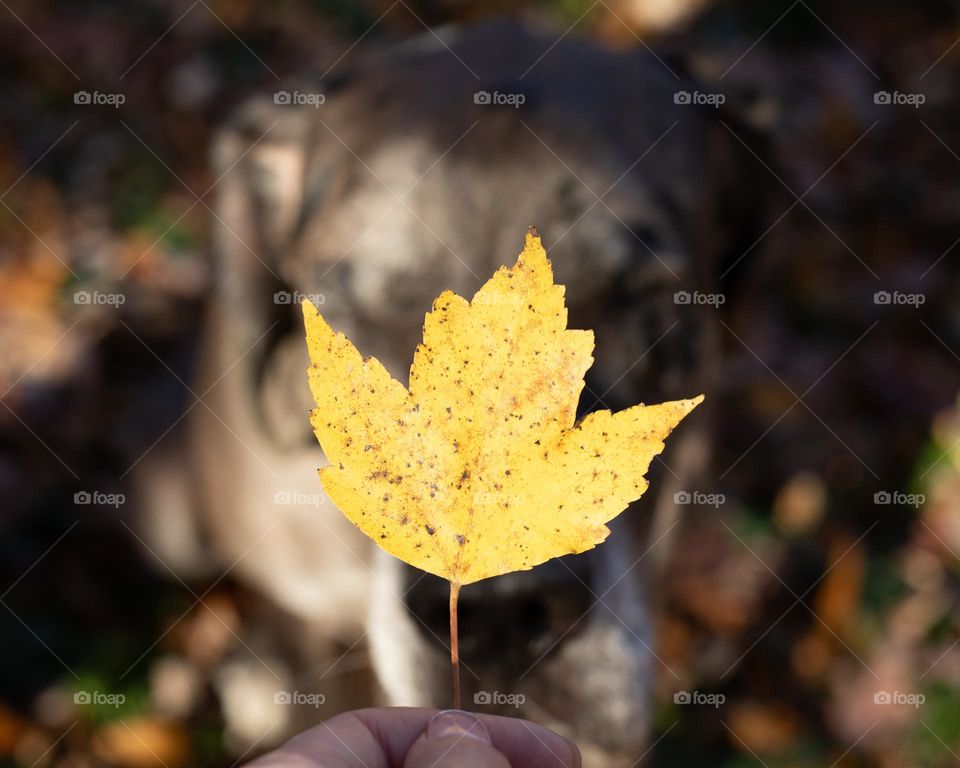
point(512, 620)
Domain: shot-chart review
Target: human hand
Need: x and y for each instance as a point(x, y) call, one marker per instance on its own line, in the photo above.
point(423, 738)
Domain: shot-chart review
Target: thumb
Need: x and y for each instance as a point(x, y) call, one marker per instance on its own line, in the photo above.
point(455, 739)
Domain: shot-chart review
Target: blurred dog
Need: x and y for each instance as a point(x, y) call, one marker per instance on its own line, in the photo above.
point(421, 170)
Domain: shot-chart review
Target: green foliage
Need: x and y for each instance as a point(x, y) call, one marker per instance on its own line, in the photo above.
point(101, 700)
point(938, 728)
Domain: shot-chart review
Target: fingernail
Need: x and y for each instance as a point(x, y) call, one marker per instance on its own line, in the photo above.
point(458, 724)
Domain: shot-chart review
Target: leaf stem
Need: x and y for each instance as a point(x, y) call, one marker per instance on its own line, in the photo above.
point(455, 643)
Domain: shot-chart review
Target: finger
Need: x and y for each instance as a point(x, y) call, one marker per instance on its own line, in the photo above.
point(377, 738)
point(455, 740)
point(345, 741)
point(523, 743)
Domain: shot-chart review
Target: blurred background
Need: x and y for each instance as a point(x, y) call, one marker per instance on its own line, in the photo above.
point(825, 565)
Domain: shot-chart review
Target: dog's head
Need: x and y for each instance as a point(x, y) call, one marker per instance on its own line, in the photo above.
point(421, 172)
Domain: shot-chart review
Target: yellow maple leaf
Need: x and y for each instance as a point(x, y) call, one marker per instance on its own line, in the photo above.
point(478, 468)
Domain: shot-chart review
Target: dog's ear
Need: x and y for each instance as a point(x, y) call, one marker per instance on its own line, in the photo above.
point(740, 162)
point(749, 195)
point(273, 164)
point(259, 160)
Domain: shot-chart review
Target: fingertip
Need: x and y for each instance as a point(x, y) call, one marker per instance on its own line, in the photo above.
point(455, 738)
point(456, 723)
point(564, 750)
point(531, 745)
